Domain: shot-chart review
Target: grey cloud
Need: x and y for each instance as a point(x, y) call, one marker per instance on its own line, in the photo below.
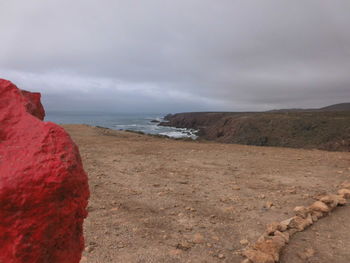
point(163, 55)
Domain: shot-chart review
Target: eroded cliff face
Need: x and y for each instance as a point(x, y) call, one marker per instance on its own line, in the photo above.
point(322, 130)
point(43, 187)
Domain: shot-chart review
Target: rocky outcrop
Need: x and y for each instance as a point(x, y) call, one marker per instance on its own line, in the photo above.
point(43, 187)
point(322, 130)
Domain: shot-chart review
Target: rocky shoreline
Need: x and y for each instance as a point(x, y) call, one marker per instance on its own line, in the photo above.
point(326, 130)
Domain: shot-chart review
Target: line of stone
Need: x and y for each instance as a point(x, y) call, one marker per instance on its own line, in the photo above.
point(268, 247)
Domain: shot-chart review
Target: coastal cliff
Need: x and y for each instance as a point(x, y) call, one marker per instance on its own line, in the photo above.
point(327, 130)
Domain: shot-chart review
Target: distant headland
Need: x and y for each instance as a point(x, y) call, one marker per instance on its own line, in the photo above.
point(326, 128)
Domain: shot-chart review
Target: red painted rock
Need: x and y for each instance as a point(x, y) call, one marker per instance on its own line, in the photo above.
point(43, 187)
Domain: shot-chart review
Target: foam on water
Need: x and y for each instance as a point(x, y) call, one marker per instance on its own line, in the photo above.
point(133, 122)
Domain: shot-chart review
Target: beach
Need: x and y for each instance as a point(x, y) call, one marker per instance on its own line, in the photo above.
point(163, 200)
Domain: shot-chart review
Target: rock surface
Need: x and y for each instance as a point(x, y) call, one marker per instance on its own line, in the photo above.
point(43, 187)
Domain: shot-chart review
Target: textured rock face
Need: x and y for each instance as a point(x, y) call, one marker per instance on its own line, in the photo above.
point(43, 187)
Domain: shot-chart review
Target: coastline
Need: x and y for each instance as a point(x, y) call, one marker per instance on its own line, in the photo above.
point(135, 122)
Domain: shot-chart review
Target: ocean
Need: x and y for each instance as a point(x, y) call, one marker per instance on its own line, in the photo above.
point(140, 122)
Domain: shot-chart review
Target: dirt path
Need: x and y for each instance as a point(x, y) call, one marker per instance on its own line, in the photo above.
point(161, 200)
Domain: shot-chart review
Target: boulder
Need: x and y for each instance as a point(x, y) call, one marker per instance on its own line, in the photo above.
point(43, 187)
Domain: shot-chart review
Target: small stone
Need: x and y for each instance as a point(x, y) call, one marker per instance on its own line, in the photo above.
point(333, 200)
point(188, 228)
point(215, 238)
point(184, 245)
point(244, 242)
point(89, 249)
point(315, 215)
point(229, 209)
point(271, 228)
point(262, 238)
point(308, 253)
point(341, 200)
point(198, 238)
point(300, 223)
point(346, 185)
point(175, 252)
point(221, 256)
point(236, 187)
point(120, 245)
point(284, 235)
point(271, 247)
point(285, 224)
point(301, 211)
point(268, 205)
point(319, 206)
point(257, 256)
point(291, 191)
point(345, 193)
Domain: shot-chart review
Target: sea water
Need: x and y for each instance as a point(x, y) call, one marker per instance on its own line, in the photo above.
point(140, 122)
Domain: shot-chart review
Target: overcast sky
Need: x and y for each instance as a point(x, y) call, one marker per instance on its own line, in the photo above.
point(177, 55)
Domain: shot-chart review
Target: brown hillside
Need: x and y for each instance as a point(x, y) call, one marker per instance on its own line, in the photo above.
point(328, 130)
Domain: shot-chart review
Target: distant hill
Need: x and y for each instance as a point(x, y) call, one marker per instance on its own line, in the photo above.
point(327, 128)
point(337, 107)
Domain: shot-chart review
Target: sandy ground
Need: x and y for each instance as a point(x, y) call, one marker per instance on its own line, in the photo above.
point(161, 200)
